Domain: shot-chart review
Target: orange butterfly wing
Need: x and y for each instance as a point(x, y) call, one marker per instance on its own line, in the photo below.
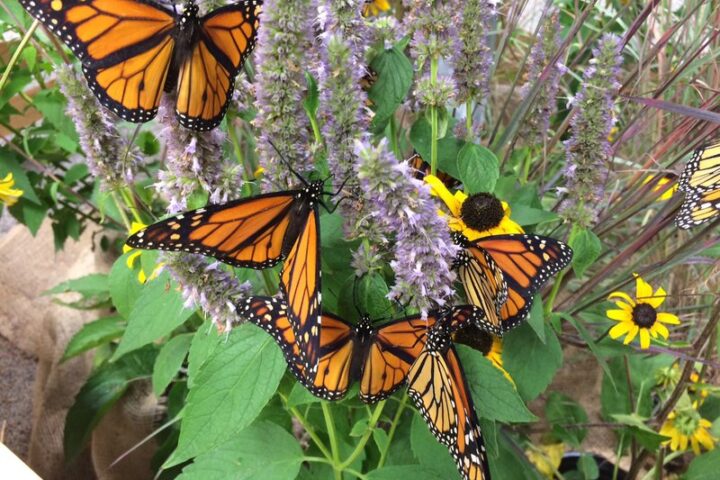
point(207, 76)
point(252, 232)
point(125, 47)
point(300, 286)
point(438, 388)
point(526, 262)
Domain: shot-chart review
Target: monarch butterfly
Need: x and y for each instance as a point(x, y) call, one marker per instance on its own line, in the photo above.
point(377, 357)
point(501, 273)
point(258, 232)
point(438, 388)
point(132, 50)
point(701, 183)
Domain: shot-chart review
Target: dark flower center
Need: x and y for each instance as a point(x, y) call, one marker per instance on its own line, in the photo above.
point(644, 315)
point(475, 338)
point(482, 211)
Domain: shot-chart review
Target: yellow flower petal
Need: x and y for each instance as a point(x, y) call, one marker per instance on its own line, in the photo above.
point(619, 315)
point(683, 442)
point(668, 318)
point(643, 289)
point(130, 261)
point(142, 278)
point(631, 334)
point(623, 296)
point(657, 299)
point(695, 446)
point(438, 188)
point(620, 329)
point(8, 194)
point(659, 329)
point(644, 338)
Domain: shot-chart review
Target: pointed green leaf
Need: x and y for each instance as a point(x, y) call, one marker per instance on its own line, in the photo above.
point(169, 361)
point(95, 333)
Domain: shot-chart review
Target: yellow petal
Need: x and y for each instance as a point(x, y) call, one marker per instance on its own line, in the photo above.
point(675, 442)
point(695, 446)
point(705, 439)
point(668, 318)
point(632, 333)
point(620, 329)
point(623, 296)
point(619, 315)
point(130, 261)
point(657, 299)
point(438, 188)
point(659, 329)
point(683, 442)
point(644, 338)
point(643, 289)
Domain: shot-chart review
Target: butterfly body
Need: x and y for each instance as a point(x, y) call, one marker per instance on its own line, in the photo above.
point(133, 50)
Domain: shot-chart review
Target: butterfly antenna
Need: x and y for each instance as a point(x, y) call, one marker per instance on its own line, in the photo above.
point(342, 186)
point(287, 164)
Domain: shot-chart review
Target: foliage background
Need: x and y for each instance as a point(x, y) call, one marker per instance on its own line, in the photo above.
point(229, 408)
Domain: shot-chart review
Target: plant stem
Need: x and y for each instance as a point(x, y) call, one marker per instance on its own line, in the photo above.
point(391, 432)
point(121, 210)
point(469, 119)
point(433, 120)
point(16, 54)
point(366, 436)
point(333, 440)
point(318, 441)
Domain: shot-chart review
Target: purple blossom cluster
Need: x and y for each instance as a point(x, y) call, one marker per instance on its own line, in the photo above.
point(588, 150)
point(537, 122)
point(208, 286)
point(472, 58)
point(401, 206)
point(285, 43)
point(194, 161)
point(109, 156)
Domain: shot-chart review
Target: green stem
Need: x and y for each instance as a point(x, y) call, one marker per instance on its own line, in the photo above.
point(433, 120)
point(128, 199)
point(393, 138)
point(366, 436)
point(391, 432)
point(16, 55)
point(316, 129)
point(315, 438)
point(469, 119)
point(334, 448)
point(121, 210)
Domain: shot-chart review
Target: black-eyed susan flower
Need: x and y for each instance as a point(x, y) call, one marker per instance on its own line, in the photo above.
point(686, 427)
point(639, 316)
point(373, 8)
point(475, 216)
point(660, 186)
point(9, 195)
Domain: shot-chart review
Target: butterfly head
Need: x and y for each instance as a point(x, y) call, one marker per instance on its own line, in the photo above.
point(189, 16)
point(315, 189)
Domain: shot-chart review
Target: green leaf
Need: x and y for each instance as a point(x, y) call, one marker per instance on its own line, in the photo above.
point(531, 363)
point(159, 310)
point(263, 450)
point(645, 436)
point(92, 284)
point(510, 462)
point(299, 395)
point(381, 439)
point(169, 361)
point(101, 390)
point(586, 249)
point(148, 143)
point(312, 100)
point(231, 389)
point(536, 319)
point(29, 214)
point(448, 147)
point(704, 467)
point(394, 78)
point(614, 395)
point(75, 173)
point(360, 427)
point(479, 168)
point(95, 333)
point(526, 216)
point(561, 410)
point(124, 286)
point(204, 343)
point(588, 467)
point(428, 451)
point(495, 397)
point(415, 472)
point(51, 103)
